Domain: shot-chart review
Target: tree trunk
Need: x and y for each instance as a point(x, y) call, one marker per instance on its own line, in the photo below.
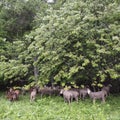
point(36, 71)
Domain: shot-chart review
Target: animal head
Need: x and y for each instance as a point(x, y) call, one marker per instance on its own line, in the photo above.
point(88, 90)
point(11, 89)
point(61, 91)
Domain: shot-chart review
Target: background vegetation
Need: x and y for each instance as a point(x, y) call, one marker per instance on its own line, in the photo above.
point(67, 42)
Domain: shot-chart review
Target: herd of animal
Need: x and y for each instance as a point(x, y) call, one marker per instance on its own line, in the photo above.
point(68, 95)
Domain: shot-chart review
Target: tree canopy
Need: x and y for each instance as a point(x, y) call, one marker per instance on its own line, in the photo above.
point(66, 42)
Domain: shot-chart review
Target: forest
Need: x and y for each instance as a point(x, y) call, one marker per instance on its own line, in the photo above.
point(63, 42)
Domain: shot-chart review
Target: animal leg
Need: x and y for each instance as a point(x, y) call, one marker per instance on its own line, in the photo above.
point(103, 99)
point(94, 100)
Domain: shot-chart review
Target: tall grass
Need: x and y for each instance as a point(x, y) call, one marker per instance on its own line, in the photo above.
point(54, 108)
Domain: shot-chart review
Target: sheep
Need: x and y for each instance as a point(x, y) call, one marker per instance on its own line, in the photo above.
point(67, 95)
point(83, 93)
point(45, 91)
point(49, 91)
point(107, 89)
point(56, 91)
point(97, 95)
point(33, 95)
point(75, 94)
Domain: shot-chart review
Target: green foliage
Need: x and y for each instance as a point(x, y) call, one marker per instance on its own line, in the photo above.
point(71, 41)
point(16, 18)
point(12, 71)
point(77, 46)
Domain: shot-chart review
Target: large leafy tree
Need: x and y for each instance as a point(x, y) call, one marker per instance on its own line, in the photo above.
point(77, 43)
point(71, 42)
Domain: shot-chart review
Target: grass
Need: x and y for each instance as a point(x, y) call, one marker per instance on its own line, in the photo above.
point(54, 108)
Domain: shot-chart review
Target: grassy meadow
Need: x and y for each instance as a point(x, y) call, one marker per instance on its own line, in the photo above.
point(54, 108)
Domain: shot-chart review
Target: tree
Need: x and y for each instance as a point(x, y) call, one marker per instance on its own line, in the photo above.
point(71, 42)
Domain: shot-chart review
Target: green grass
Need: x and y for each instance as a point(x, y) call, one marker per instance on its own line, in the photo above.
point(54, 108)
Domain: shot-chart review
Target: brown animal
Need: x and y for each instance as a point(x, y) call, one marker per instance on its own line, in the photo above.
point(33, 95)
point(14, 97)
point(11, 96)
point(17, 92)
